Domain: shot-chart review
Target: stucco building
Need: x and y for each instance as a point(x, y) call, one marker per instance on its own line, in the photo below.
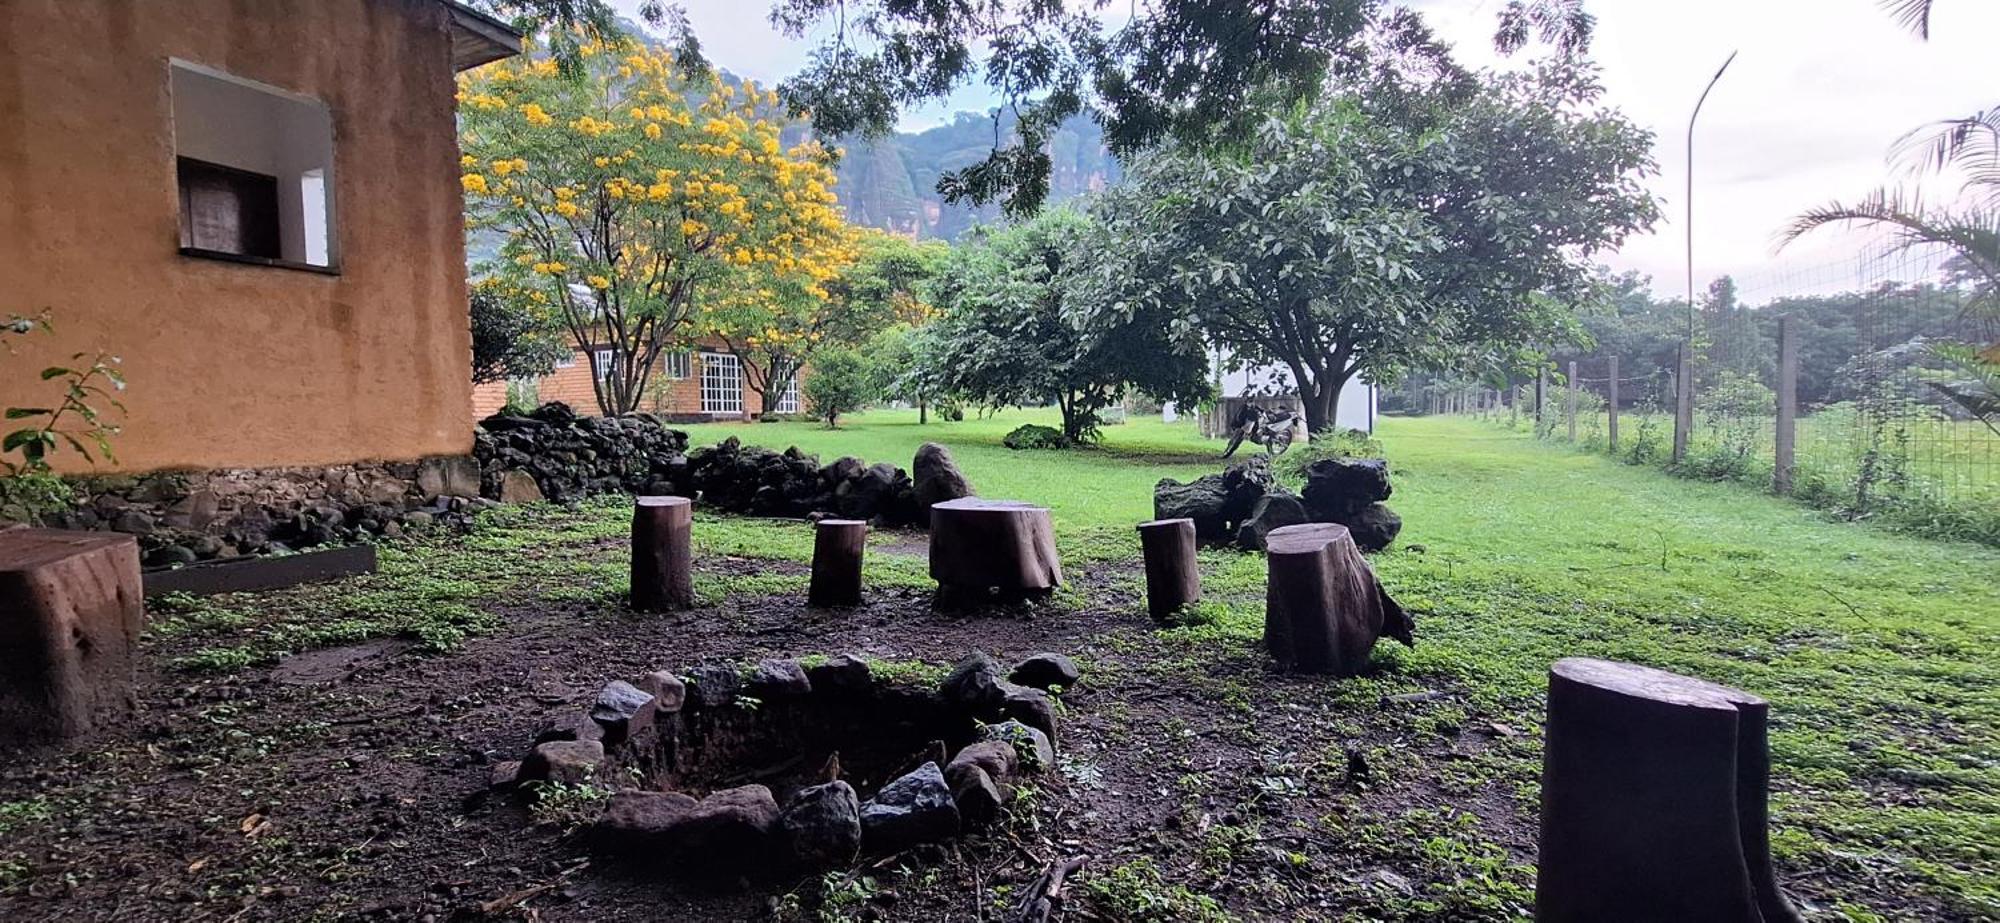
point(256, 206)
point(699, 384)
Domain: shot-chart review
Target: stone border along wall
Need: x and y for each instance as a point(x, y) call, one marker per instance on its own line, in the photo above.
point(181, 517)
point(825, 824)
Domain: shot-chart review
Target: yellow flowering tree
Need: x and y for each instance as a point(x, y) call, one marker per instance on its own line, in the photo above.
point(629, 196)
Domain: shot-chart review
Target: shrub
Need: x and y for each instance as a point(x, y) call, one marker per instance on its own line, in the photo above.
point(837, 384)
point(1341, 443)
point(1034, 436)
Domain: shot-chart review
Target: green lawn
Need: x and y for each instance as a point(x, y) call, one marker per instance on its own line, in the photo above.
point(1876, 650)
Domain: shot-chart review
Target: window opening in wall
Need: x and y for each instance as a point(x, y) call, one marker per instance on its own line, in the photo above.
point(721, 383)
point(254, 165)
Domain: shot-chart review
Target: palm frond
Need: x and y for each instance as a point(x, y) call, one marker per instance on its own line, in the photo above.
point(1914, 15)
point(1973, 232)
point(1971, 144)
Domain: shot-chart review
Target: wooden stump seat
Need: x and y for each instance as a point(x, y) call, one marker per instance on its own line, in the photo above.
point(838, 548)
point(1654, 800)
point(71, 608)
point(1173, 576)
point(1323, 608)
point(980, 546)
point(662, 553)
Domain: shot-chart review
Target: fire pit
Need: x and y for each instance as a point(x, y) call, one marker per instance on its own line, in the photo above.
point(798, 765)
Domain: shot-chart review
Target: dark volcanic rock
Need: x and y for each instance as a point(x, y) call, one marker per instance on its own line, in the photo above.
point(936, 476)
point(844, 675)
point(1031, 707)
point(712, 686)
point(977, 796)
point(1272, 511)
point(570, 726)
point(997, 758)
point(822, 825)
point(916, 808)
point(624, 711)
point(640, 823)
point(1374, 526)
point(1032, 746)
point(777, 679)
point(975, 686)
point(1339, 487)
point(1046, 671)
point(1201, 500)
point(571, 762)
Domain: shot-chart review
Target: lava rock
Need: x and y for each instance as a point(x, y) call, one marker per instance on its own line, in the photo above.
point(1045, 671)
point(1374, 526)
point(977, 796)
point(624, 710)
point(936, 476)
point(1200, 500)
point(822, 825)
point(916, 808)
point(1271, 511)
point(729, 829)
point(1031, 707)
point(996, 758)
point(1032, 746)
point(504, 774)
point(844, 675)
point(570, 726)
point(571, 762)
point(640, 824)
point(975, 686)
point(1339, 487)
point(777, 679)
point(712, 686)
point(667, 690)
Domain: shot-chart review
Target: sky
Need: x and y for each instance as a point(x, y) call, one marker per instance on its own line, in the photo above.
point(1819, 91)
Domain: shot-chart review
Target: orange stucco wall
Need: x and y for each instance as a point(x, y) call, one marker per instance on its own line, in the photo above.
point(236, 365)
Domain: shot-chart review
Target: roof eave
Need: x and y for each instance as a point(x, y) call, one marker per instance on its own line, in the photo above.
point(477, 38)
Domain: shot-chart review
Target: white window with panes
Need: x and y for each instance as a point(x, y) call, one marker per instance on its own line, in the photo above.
point(604, 363)
point(721, 383)
point(677, 364)
point(788, 400)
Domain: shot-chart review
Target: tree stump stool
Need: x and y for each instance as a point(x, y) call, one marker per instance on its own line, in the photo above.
point(662, 553)
point(1173, 578)
point(71, 608)
point(981, 547)
point(838, 547)
point(1323, 607)
point(1654, 800)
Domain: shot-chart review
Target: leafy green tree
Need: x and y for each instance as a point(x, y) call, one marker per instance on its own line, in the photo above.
point(1422, 217)
point(511, 340)
point(1011, 333)
point(904, 365)
point(836, 384)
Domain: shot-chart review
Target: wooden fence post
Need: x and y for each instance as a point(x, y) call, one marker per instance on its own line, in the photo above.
point(662, 553)
point(1788, 405)
point(1569, 409)
point(1683, 401)
point(1541, 397)
point(1612, 400)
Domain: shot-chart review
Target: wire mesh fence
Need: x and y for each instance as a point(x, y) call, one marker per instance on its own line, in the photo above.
point(1851, 383)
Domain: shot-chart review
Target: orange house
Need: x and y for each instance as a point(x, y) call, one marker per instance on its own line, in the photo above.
point(697, 385)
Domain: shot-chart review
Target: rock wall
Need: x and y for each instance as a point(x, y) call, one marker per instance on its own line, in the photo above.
point(186, 516)
point(1245, 502)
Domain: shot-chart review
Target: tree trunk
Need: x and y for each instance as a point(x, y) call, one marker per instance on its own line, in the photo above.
point(838, 547)
point(1322, 403)
point(1173, 577)
point(662, 553)
point(70, 614)
point(1323, 608)
point(1654, 800)
point(981, 546)
point(923, 413)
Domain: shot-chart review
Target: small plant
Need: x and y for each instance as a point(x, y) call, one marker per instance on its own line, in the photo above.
point(1034, 436)
point(565, 806)
point(1136, 893)
point(78, 417)
point(836, 384)
point(1341, 443)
